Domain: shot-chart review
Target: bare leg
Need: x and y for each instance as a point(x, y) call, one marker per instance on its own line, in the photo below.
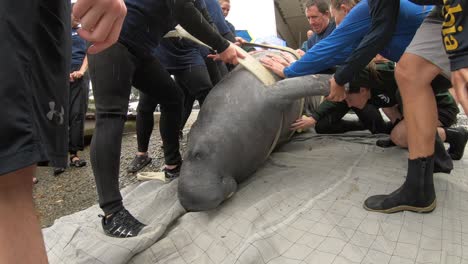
point(20, 234)
point(414, 76)
point(419, 105)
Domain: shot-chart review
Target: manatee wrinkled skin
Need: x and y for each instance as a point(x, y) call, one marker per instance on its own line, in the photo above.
point(240, 123)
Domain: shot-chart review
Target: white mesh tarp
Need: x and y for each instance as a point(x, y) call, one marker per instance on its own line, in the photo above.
point(303, 206)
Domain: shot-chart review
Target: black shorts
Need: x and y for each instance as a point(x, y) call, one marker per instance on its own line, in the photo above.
point(34, 65)
point(447, 115)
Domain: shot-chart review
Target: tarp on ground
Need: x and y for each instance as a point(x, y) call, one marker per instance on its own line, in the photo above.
point(303, 206)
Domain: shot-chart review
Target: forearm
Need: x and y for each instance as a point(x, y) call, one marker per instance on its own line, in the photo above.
point(84, 65)
point(324, 108)
point(189, 18)
point(384, 15)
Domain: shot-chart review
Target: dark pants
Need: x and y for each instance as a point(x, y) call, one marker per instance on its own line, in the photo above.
point(369, 118)
point(195, 84)
point(113, 72)
point(78, 105)
point(168, 129)
point(216, 69)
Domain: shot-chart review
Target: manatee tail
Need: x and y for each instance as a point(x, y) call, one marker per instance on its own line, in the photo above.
point(288, 90)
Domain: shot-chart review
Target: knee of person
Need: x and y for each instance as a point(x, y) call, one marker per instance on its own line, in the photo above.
point(401, 75)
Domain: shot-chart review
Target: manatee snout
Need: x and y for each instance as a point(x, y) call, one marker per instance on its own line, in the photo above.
point(196, 195)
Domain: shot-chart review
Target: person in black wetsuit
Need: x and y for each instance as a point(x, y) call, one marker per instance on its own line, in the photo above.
point(131, 62)
point(186, 61)
point(35, 59)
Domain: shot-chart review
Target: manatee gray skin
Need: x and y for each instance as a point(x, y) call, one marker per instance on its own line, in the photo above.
point(240, 123)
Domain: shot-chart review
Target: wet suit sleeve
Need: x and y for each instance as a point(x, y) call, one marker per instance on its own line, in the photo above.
point(188, 16)
point(454, 33)
point(384, 14)
point(334, 49)
point(325, 108)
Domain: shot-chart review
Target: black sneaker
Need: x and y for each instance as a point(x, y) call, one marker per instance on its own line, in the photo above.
point(173, 173)
point(385, 143)
point(58, 171)
point(121, 224)
point(138, 163)
point(457, 138)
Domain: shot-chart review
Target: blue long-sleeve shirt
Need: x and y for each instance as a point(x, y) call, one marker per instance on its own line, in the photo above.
point(334, 49)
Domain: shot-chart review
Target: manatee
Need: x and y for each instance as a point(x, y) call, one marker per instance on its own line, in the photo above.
point(241, 122)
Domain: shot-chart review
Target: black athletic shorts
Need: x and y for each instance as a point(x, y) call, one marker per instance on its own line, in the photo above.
point(34, 67)
point(447, 115)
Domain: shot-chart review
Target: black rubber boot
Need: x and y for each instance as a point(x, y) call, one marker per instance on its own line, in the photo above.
point(457, 138)
point(442, 160)
point(417, 194)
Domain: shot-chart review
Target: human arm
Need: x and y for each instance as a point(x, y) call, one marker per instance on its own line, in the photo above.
point(384, 14)
point(79, 74)
point(316, 115)
point(456, 45)
point(101, 22)
point(334, 49)
point(186, 13)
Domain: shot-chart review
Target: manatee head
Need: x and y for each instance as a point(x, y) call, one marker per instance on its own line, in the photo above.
point(206, 175)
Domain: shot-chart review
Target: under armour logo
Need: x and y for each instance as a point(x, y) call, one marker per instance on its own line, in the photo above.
point(54, 115)
point(384, 98)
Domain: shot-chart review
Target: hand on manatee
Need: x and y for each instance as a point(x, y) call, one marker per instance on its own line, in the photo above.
point(288, 57)
point(275, 63)
point(303, 123)
point(337, 92)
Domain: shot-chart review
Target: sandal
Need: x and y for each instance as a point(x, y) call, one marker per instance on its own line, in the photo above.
point(138, 163)
point(77, 163)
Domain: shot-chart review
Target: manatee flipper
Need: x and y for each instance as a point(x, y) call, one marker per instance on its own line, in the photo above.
point(288, 90)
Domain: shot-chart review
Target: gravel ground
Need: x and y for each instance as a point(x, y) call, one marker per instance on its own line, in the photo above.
point(74, 190)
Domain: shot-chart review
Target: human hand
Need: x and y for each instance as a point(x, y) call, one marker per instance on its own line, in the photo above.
point(303, 123)
point(276, 64)
point(229, 55)
point(337, 92)
point(300, 52)
point(460, 84)
point(288, 57)
point(240, 41)
point(101, 22)
point(77, 74)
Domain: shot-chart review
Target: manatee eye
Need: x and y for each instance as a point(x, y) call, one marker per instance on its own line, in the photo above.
point(196, 155)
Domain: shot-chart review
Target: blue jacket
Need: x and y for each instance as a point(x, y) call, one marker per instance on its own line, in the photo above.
point(334, 49)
